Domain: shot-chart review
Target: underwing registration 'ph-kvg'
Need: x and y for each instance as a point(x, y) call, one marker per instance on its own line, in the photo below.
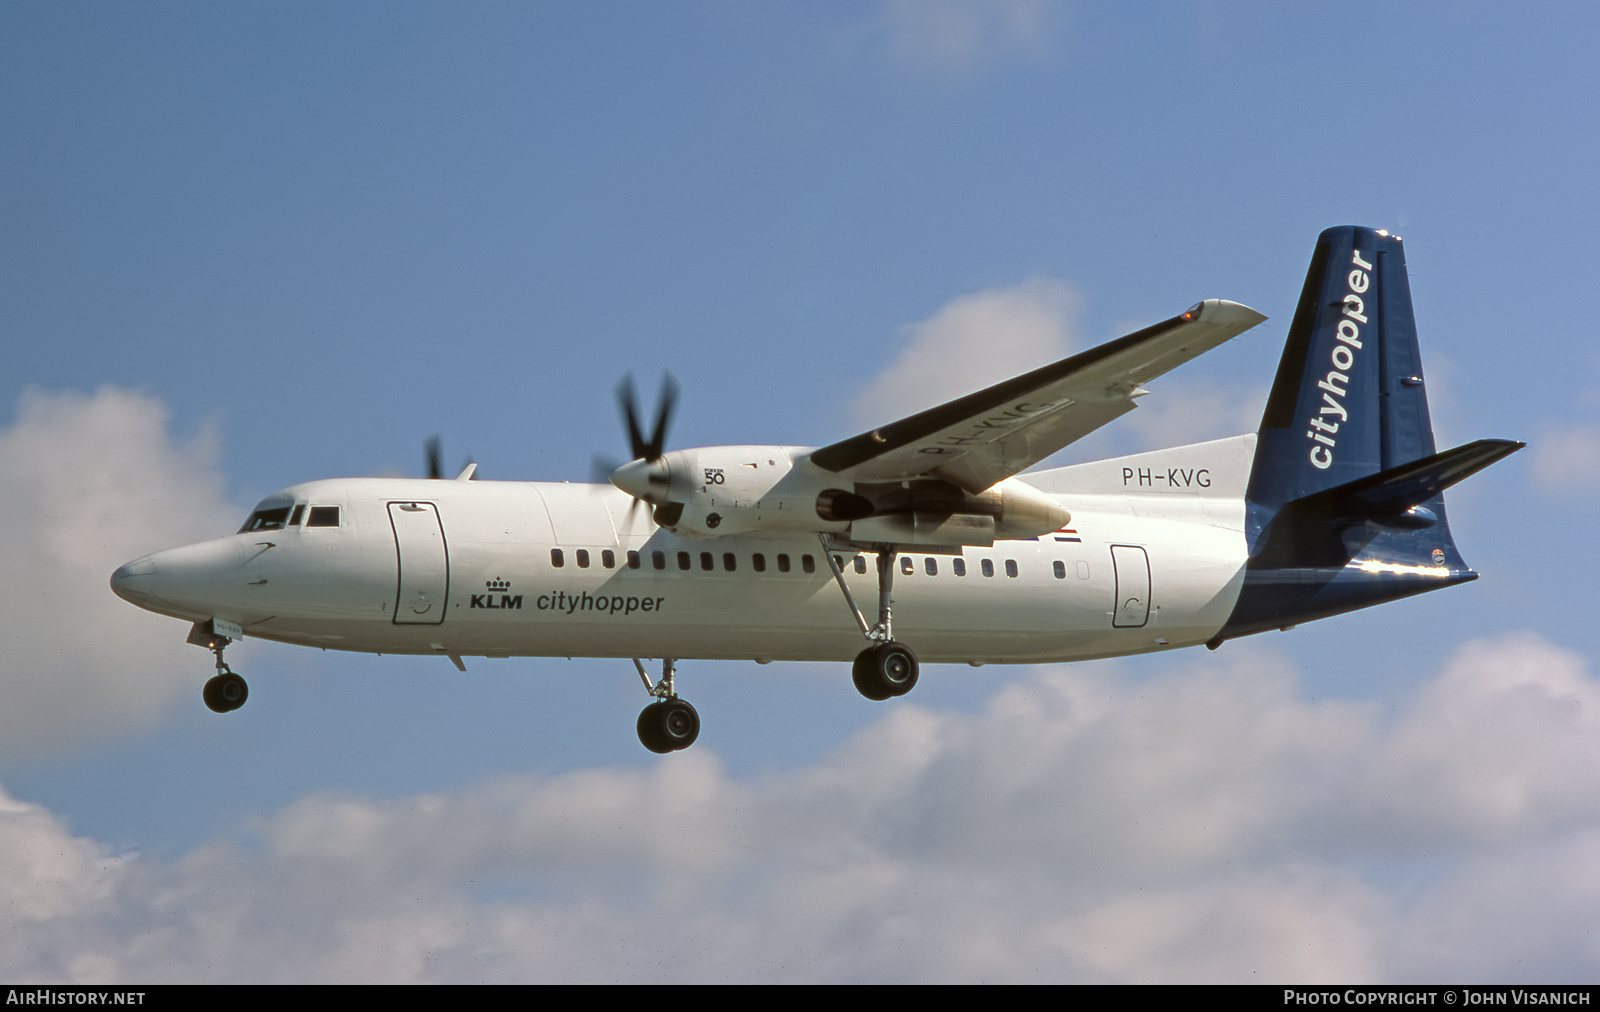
point(919, 540)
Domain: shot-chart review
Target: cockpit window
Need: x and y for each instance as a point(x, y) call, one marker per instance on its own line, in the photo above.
point(323, 516)
point(300, 508)
point(266, 520)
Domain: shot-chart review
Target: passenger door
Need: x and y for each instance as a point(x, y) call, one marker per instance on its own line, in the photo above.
point(424, 563)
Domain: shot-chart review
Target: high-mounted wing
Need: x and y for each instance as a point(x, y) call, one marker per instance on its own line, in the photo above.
point(982, 438)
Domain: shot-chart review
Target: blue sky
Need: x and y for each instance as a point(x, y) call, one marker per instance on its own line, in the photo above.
point(250, 246)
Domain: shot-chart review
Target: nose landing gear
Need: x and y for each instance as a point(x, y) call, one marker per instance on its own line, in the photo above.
point(670, 723)
point(227, 690)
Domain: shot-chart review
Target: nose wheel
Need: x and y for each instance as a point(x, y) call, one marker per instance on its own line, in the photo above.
point(227, 690)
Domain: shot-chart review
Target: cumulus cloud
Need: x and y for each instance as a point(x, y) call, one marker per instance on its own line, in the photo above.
point(88, 482)
point(1179, 411)
point(1212, 824)
point(970, 343)
point(961, 37)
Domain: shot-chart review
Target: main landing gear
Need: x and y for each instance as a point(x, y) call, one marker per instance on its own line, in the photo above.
point(227, 691)
point(669, 723)
point(886, 668)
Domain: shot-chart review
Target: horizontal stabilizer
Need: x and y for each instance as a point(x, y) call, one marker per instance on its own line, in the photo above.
point(1396, 490)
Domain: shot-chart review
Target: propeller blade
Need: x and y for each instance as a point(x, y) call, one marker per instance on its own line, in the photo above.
point(627, 399)
point(669, 396)
point(644, 448)
point(431, 454)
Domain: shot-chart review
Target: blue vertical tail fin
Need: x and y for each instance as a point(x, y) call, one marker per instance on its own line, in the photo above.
point(1349, 399)
point(1345, 500)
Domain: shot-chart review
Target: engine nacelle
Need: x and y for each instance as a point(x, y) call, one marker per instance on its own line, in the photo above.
point(716, 491)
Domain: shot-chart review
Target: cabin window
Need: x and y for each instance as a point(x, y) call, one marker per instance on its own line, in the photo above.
point(907, 566)
point(783, 562)
point(729, 563)
point(658, 560)
point(583, 558)
point(707, 563)
point(323, 516)
point(1011, 568)
point(1061, 570)
point(959, 566)
point(861, 563)
point(683, 560)
point(633, 560)
point(808, 564)
point(266, 520)
point(608, 559)
point(987, 565)
point(556, 558)
point(758, 562)
point(930, 565)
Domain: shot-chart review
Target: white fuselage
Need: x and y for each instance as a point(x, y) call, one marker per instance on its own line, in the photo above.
point(1153, 558)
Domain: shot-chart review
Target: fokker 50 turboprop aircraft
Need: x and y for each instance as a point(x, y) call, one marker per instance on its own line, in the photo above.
point(763, 552)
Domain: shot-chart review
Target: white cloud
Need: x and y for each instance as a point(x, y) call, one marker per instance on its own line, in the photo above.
point(88, 482)
point(1212, 824)
point(961, 37)
point(1178, 411)
point(970, 343)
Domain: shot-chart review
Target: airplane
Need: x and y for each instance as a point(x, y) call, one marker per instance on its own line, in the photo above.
point(764, 553)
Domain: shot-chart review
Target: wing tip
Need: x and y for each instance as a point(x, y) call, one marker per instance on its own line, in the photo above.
point(1227, 312)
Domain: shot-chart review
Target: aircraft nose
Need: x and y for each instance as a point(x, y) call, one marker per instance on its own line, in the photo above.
point(181, 581)
point(133, 581)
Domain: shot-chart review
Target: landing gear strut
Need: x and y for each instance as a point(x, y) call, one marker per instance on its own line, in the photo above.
point(670, 723)
point(886, 668)
point(227, 690)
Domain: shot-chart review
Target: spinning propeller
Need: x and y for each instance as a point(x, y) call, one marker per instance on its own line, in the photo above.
point(432, 455)
point(647, 477)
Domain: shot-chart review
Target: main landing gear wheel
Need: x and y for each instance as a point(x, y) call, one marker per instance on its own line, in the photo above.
point(225, 692)
point(886, 670)
point(668, 725)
